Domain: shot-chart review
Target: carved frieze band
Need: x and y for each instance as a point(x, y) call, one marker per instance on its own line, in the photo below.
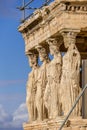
point(76, 8)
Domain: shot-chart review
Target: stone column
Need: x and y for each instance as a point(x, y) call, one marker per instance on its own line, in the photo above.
point(32, 86)
point(51, 96)
point(84, 82)
point(70, 87)
point(41, 83)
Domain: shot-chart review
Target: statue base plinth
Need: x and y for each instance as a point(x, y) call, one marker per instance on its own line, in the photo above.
point(75, 123)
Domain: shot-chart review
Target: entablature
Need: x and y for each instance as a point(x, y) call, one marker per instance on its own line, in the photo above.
point(49, 21)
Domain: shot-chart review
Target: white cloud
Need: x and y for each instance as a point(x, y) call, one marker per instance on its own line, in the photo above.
point(16, 120)
point(20, 116)
point(5, 118)
point(3, 115)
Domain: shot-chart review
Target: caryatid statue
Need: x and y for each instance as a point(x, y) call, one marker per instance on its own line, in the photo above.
point(70, 81)
point(52, 96)
point(32, 85)
point(42, 81)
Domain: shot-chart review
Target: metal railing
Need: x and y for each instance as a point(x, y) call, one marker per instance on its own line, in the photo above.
point(27, 6)
point(77, 99)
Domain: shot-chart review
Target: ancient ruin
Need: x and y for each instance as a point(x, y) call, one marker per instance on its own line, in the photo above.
point(59, 29)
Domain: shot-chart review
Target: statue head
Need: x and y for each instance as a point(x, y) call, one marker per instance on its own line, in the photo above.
point(69, 39)
point(33, 58)
point(43, 54)
point(54, 45)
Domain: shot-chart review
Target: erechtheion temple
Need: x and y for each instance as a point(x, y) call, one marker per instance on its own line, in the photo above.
point(60, 30)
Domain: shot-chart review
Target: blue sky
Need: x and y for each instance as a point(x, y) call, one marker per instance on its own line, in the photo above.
point(14, 66)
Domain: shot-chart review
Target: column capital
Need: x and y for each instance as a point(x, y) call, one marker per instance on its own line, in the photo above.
point(69, 36)
point(72, 32)
point(55, 41)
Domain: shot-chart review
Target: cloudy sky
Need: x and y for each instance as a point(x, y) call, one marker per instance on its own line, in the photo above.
point(14, 67)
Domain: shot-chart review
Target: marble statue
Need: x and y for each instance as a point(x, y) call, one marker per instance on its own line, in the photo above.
point(70, 87)
point(41, 84)
point(32, 86)
point(51, 96)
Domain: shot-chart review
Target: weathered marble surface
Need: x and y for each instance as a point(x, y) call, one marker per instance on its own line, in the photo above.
point(54, 69)
point(53, 87)
point(71, 124)
point(41, 83)
point(32, 86)
point(56, 82)
point(70, 80)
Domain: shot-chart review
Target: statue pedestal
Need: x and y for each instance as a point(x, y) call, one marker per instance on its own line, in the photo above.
point(72, 124)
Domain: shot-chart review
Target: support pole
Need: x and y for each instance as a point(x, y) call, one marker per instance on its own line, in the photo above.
point(24, 10)
point(73, 107)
